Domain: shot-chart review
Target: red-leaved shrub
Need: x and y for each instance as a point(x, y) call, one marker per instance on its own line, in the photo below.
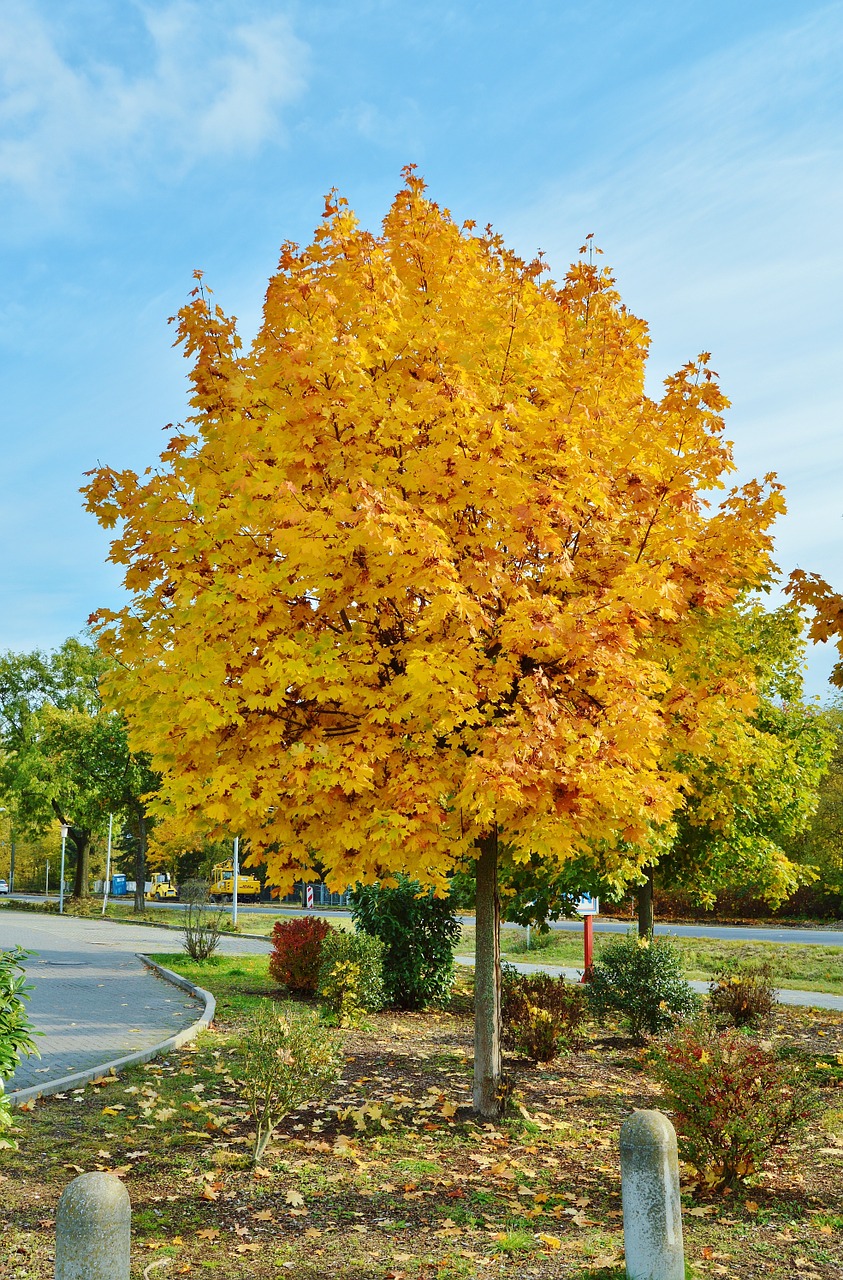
point(297, 952)
point(733, 1098)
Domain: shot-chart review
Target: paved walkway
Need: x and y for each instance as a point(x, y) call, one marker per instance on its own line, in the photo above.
point(93, 1000)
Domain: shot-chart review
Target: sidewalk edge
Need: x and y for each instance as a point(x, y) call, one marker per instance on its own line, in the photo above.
point(47, 1088)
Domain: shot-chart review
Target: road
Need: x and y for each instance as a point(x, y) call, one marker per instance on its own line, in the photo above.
point(818, 936)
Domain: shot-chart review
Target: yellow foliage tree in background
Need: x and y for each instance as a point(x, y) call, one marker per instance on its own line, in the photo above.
point(408, 576)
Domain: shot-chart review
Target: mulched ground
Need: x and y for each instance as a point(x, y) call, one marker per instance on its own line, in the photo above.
point(395, 1178)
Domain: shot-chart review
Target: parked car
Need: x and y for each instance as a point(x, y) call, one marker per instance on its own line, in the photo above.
point(4, 886)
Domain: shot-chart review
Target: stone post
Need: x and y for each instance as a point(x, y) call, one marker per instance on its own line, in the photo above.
point(652, 1215)
point(93, 1229)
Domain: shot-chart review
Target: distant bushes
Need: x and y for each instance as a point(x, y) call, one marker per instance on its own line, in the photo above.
point(641, 980)
point(418, 932)
point(350, 977)
point(733, 1099)
point(742, 995)
point(540, 1014)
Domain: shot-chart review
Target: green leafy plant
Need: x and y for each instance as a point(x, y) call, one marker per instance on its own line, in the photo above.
point(297, 952)
point(16, 1035)
point(540, 1014)
point(743, 995)
point(287, 1058)
point(641, 979)
point(732, 1097)
point(351, 975)
point(418, 932)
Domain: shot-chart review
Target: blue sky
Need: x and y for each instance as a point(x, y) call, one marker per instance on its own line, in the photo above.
point(701, 144)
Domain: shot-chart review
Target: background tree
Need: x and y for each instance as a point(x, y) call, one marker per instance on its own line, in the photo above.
point(397, 587)
point(820, 844)
point(753, 783)
point(65, 757)
point(418, 931)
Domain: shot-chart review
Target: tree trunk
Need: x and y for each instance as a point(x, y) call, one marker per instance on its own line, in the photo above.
point(644, 900)
point(81, 838)
point(140, 862)
point(487, 982)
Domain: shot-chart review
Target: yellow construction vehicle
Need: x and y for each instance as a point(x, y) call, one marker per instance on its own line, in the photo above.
point(163, 889)
point(222, 884)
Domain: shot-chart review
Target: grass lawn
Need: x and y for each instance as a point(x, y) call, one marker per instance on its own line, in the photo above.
point(394, 1178)
point(803, 967)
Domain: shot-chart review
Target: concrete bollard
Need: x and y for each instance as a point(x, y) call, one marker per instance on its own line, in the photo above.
point(652, 1213)
point(93, 1229)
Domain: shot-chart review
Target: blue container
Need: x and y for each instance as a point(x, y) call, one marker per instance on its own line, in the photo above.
point(118, 886)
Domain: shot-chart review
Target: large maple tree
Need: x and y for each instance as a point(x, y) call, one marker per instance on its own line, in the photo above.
point(405, 579)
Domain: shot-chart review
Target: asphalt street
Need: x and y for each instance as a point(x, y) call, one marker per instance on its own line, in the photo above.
point(819, 935)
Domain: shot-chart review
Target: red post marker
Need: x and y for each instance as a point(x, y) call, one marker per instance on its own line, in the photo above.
point(588, 908)
point(587, 946)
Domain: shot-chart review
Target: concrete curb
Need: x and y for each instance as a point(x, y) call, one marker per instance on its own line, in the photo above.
point(80, 1078)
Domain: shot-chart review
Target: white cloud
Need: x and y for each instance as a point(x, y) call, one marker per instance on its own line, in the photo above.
point(73, 111)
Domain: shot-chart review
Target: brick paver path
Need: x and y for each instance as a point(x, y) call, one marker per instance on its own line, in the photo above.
point(93, 999)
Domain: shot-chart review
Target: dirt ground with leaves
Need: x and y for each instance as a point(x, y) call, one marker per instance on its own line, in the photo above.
point(393, 1177)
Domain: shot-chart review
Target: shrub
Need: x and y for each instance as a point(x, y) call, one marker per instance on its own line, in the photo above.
point(540, 1015)
point(287, 1058)
point(733, 1099)
point(16, 1035)
point(203, 924)
point(743, 995)
point(297, 952)
point(418, 932)
point(641, 979)
point(351, 975)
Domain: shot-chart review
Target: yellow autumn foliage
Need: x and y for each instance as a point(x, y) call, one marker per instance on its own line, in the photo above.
point(413, 565)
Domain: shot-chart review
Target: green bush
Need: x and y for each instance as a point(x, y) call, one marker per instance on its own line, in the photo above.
point(743, 995)
point(351, 975)
point(641, 980)
point(540, 1015)
point(418, 932)
point(16, 1035)
point(287, 1058)
point(732, 1098)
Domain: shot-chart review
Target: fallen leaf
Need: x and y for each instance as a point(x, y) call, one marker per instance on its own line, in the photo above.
point(295, 1198)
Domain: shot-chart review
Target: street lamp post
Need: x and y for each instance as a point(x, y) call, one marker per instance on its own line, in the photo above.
point(108, 864)
point(64, 831)
point(3, 809)
point(236, 879)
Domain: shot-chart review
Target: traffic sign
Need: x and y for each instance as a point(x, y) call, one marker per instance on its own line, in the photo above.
point(587, 906)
